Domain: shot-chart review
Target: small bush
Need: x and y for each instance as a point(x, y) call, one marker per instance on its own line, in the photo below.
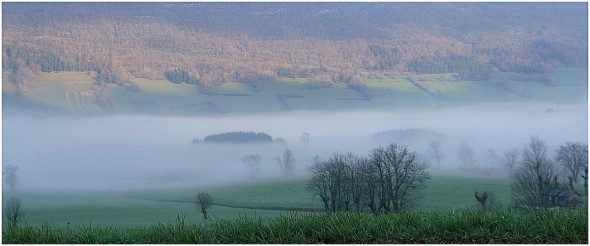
point(14, 210)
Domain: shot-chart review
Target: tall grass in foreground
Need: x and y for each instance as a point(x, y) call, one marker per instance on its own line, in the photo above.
point(563, 227)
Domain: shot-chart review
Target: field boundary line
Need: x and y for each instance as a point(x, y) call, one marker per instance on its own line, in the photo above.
point(273, 208)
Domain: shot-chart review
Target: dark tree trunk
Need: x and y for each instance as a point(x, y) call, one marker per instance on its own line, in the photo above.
point(571, 182)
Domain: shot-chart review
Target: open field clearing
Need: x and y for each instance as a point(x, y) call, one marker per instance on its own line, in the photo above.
point(72, 92)
point(150, 207)
point(68, 90)
point(442, 193)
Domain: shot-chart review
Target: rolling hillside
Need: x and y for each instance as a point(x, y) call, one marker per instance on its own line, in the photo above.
point(73, 92)
point(210, 58)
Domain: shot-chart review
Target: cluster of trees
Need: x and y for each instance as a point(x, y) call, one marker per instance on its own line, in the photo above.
point(467, 67)
point(178, 76)
point(237, 137)
point(388, 180)
point(252, 163)
point(286, 161)
point(387, 59)
point(487, 161)
point(573, 159)
point(466, 156)
point(436, 153)
point(38, 58)
point(534, 171)
point(537, 174)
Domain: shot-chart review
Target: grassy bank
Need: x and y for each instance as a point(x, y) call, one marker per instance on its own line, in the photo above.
point(563, 227)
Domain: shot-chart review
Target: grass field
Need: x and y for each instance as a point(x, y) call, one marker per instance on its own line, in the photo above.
point(447, 214)
point(442, 193)
point(150, 207)
point(114, 209)
point(561, 227)
point(71, 92)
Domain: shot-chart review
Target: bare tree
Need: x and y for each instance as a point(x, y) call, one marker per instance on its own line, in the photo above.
point(10, 175)
point(286, 161)
point(490, 157)
point(435, 152)
point(585, 178)
point(511, 160)
point(466, 156)
point(400, 176)
point(13, 210)
point(573, 157)
point(252, 163)
point(305, 138)
point(21, 78)
point(357, 180)
point(386, 182)
point(204, 201)
point(370, 183)
point(536, 175)
point(319, 183)
point(330, 182)
point(337, 171)
point(341, 182)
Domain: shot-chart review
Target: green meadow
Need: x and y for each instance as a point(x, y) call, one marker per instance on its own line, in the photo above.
point(447, 214)
point(151, 207)
point(262, 211)
point(72, 92)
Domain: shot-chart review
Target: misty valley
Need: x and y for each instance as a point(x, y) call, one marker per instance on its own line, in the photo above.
point(126, 171)
point(135, 152)
point(307, 123)
point(147, 170)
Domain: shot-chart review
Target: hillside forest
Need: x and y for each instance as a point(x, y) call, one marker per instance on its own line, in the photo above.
point(209, 44)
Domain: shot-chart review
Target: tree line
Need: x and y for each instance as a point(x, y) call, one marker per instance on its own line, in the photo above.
point(537, 176)
point(466, 67)
point(388, 180)
point(237, 137)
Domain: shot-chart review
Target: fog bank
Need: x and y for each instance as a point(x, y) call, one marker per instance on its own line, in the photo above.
point(133, 152)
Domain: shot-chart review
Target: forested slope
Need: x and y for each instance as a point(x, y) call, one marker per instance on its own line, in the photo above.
point(208, 44)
